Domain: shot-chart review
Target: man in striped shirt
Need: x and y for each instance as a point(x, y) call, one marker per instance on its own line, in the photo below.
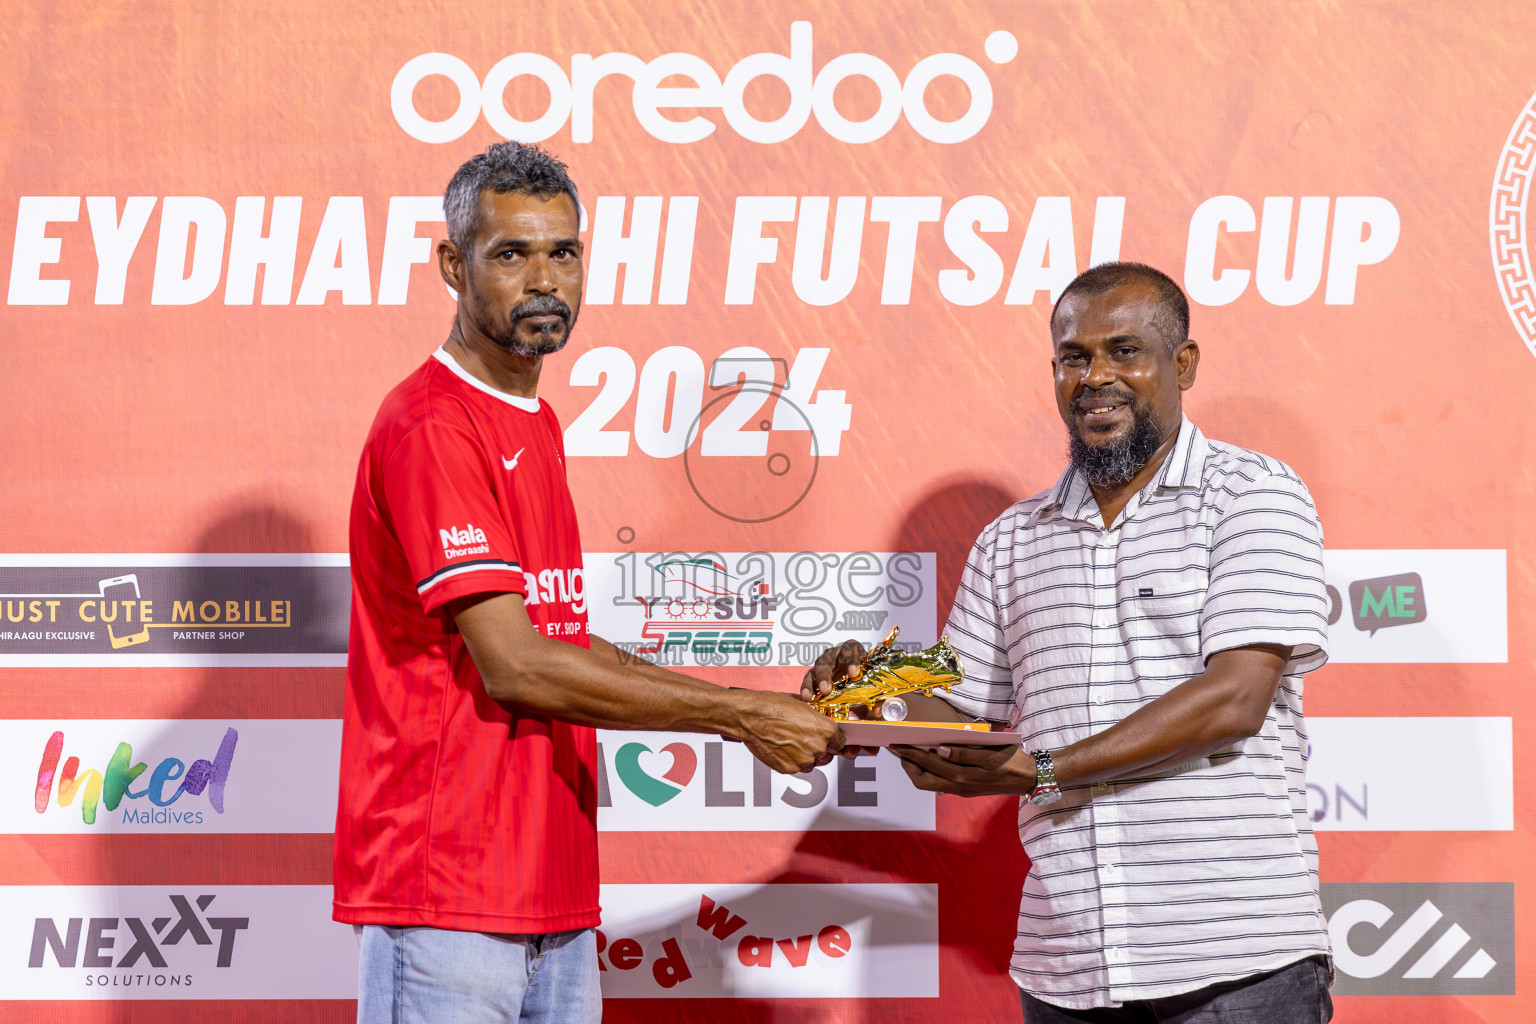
point(1146, 624)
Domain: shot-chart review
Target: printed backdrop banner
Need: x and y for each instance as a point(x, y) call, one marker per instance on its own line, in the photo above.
point(822, 243)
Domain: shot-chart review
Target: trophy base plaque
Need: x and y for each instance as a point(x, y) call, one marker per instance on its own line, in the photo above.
point(927, 734)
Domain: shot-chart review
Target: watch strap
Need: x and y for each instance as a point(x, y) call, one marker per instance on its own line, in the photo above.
point(1046, 790)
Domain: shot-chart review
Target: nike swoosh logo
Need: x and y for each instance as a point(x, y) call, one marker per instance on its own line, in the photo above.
point(512, 462)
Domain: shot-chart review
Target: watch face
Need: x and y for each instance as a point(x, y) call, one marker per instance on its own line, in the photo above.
point(1047, 796)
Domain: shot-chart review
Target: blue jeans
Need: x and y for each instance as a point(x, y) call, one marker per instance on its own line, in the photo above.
point(429, 975)
point(1297, 994)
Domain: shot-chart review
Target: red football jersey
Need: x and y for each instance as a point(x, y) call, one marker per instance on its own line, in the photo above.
point(454, 811)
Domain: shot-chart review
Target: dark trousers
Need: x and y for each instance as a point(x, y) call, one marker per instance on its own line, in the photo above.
point(1297, 994)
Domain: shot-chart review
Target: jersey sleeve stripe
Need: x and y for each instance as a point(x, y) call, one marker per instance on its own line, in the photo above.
point(479, 565)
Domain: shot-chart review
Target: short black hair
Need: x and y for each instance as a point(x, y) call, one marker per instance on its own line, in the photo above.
point(1172, 317)
point(503, 167)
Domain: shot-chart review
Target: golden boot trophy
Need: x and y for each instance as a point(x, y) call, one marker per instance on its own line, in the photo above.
point(885, 673)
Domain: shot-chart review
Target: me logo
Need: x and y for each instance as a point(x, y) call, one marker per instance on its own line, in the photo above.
point(144, 942)
point(811, 94)
point(1422, 939)
point(115, 780)
point(1372, 590)
point(1387, 601)
point(468, 540)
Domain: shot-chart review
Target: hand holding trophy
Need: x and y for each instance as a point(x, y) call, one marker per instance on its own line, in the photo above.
point(874, 686)
point(864, 691)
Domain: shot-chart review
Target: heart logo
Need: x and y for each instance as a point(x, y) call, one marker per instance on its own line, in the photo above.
point(652, 790)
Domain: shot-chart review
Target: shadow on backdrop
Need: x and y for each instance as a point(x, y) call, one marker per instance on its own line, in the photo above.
point(973, 855)
point(189, 862)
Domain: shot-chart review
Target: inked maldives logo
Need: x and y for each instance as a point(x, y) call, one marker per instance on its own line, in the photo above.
point(113, 782)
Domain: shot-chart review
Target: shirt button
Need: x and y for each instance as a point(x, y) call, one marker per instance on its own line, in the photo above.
point(1100, 697)
point(1109, 870)
point(1100, 788)
point(1115, 954)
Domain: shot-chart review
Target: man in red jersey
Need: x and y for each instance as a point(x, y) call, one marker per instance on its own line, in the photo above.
point(466, 839)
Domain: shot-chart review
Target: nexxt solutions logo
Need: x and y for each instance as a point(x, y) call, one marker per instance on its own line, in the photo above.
point(678, 782)
point(152, 942)
point(1430, 939)
point(167, 610)
point(145, 945)
point(758, 608)
point(1381, 603)
point(92, 776)
point(773, 941)
point(811, 94)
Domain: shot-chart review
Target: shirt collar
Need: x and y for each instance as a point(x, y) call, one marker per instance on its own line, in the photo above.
point(516, 401)
point(1184, 467)
point(1070, 497)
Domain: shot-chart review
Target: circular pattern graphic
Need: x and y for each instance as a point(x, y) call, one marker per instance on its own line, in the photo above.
point(748, 488)
point(623, 531)
point(1506, 224)
point(1001, 46)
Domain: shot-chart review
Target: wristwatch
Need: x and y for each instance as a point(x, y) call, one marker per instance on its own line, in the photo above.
point(1046, 790)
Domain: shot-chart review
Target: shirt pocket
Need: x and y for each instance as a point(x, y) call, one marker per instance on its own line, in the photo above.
point(1162, 635)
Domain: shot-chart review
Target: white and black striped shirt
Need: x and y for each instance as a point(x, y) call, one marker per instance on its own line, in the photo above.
point(1152, 886)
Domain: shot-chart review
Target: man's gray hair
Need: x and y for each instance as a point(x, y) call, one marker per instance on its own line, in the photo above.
point(503, 167)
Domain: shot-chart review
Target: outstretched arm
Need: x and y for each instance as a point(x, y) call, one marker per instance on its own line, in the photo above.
point(524, 668)
point(635, 663)
point(1224, 705)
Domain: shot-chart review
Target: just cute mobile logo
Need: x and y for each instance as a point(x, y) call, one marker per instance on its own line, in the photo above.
point(811, 89)
point(64, 783)
point(76, 610)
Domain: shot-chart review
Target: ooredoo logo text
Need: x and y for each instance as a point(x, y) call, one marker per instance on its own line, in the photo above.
point(812, 93)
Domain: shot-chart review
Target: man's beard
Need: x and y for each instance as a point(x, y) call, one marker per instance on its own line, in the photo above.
point(548, 340)
point(1117, 462)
